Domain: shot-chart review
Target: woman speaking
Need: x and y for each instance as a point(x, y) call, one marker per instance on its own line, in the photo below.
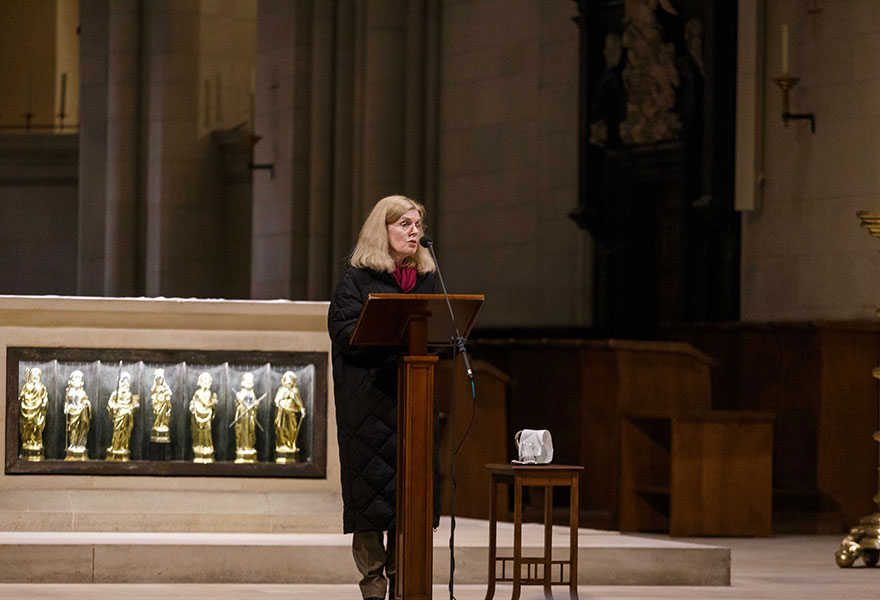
point(386, 259)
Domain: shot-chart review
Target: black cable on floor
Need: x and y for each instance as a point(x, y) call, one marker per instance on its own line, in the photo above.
point(453, 450)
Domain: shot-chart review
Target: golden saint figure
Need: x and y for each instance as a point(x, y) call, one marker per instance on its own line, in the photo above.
point(79, 417)
point(121, 407)
point(202, 407)
point(160, 396)
point(33, 400)
point(289, 416)
point(246, 404)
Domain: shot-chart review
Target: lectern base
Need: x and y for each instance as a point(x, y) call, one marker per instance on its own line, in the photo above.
point(415, 478)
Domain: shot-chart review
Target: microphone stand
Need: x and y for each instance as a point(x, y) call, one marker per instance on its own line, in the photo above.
point(457, 340)
point(458, 344)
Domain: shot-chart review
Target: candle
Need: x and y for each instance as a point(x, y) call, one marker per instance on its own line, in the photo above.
point(252, 97)
point(785, 64)
point(63, 93)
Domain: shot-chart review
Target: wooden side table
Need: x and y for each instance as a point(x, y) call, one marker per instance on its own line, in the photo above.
point(546, 476)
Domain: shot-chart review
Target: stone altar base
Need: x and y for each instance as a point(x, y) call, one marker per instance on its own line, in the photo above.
point(606, 558)
point(169, 511)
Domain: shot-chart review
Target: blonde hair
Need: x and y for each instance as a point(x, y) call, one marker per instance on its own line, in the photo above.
point(372, 246)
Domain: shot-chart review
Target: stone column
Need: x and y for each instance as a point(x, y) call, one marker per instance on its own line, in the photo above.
point(301, 146)
point(430, 114)
point(94, 41)
point(344, 225)
point(273, 209)
point(384, 101)
point(183, 231)
point(321, 180)
point(343, 116)
point(121, 269)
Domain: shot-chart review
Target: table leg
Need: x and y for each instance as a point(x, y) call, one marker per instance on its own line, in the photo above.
point(517, 537)
point(493, 519)
point(548, 539)
point(573, 555)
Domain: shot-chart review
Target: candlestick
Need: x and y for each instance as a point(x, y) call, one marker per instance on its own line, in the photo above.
point(863, 540)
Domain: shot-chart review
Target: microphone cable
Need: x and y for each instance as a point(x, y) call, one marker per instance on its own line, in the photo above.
point(453, 451)
point(461, 350)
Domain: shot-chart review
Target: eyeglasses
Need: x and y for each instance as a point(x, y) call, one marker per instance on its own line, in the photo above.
point(406, 224)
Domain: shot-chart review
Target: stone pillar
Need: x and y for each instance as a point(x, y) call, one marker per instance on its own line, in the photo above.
point(321, 179)
point(399, 79)
point(344, 117)
point(121, 265)
point(301, 163)
point(344, 226)
point(94, 43)
point(274, 210)
point(430, 115)
point(179, 239)
point(384, 100)
point(234, 146)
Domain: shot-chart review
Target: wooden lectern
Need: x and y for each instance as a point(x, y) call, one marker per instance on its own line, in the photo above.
point(414, 321)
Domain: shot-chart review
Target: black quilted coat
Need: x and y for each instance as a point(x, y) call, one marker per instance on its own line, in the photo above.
point(365, 381)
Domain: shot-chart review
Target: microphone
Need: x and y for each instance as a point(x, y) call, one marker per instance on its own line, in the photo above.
point(457, 340)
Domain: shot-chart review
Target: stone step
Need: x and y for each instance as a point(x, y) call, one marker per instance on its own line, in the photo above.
point(605, 558)
point(169, 511)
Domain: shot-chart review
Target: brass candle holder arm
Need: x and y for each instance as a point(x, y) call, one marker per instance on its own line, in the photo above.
point(786, 83)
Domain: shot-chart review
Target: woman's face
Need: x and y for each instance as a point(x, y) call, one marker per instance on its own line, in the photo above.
point(403, 235)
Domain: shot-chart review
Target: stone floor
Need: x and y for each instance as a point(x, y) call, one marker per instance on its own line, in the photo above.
point(779, 568)
point(120, 557)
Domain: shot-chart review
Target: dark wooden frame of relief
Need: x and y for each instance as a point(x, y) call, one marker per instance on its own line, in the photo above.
point(314, 468)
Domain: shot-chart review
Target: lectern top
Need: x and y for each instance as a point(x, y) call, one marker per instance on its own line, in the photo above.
point(385, 318)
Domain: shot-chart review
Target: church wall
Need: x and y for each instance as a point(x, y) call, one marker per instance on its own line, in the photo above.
point(508, 162)
point(804, 255)
point(38, 201)
point(27, 71)
point(67, 62)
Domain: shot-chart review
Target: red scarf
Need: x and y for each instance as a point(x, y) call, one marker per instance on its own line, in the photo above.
point(405, 278)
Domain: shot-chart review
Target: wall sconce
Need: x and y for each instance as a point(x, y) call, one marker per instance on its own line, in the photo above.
point(786, 83)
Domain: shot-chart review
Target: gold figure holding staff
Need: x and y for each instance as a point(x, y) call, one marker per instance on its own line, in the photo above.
point(78, 411)
point(246, 405)
point(121, 407)
point(160, 397)
point(289, 416)
point(33, 400)
point(202, 408)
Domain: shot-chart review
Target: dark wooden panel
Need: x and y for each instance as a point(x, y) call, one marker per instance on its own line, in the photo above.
point(816, 378)
point(480, 436)
point(579, 389)
point(721, 476)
